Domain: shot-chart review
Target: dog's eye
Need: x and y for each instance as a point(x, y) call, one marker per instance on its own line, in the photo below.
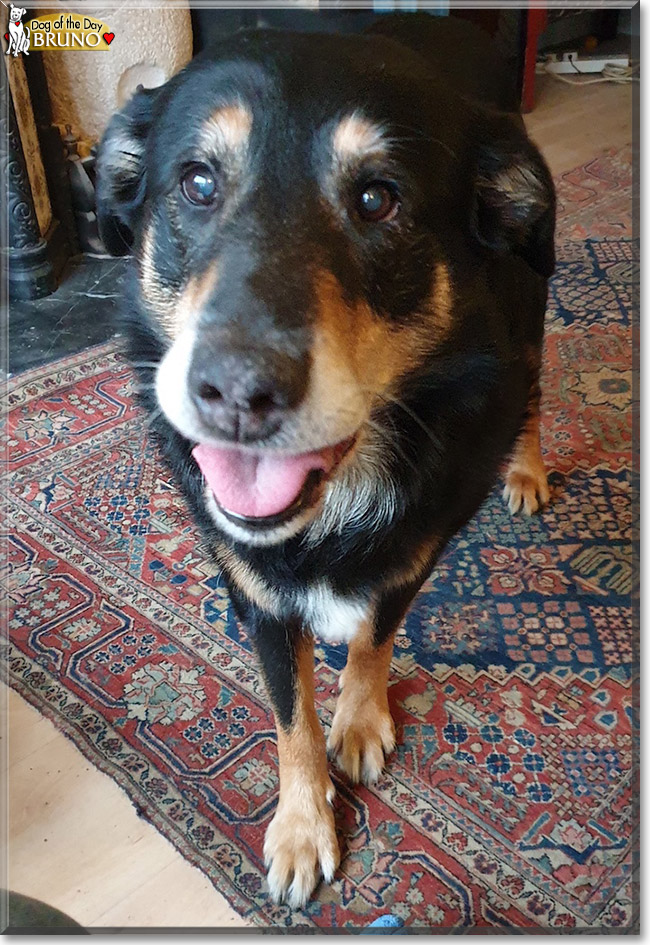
point(199, 185)
point(377, 202)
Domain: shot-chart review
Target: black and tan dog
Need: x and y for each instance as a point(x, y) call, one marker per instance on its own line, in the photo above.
point(341, 251)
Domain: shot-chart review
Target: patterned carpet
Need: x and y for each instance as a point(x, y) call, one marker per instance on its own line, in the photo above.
point(511, 799)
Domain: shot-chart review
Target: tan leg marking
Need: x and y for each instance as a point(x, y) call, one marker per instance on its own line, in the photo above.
point(363, 730)
point(526, 483)
point(301, 842)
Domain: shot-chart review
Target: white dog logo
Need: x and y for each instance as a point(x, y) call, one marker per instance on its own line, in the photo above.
point(18, 34)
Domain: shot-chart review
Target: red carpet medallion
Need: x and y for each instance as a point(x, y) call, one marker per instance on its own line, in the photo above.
point(510, 801)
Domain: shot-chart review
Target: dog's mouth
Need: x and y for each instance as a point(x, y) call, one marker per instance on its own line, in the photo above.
point(266, 489)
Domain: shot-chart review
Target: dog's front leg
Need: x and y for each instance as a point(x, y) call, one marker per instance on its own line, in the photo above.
point(363, 732)
point(526, 484)
point(300, 842)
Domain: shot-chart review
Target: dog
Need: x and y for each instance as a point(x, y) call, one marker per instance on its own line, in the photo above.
point(18, 34)
point(341, 253)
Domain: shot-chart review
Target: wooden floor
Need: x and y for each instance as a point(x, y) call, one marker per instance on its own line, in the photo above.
point(75, 841)
point(572, 124)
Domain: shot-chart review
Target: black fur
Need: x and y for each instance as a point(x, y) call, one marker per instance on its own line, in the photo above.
point(275, 645)
point(463, 168)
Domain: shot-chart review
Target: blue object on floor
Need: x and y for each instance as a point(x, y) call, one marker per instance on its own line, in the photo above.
point(384, 925)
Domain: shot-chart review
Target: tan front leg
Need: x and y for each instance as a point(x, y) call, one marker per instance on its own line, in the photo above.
point(526, 482)
point(363, 730)
point(300, 842)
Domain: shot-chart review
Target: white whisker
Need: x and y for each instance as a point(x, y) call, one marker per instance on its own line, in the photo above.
point(413, 415)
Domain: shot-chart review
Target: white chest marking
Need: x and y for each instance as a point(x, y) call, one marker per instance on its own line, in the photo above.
point(332, 618)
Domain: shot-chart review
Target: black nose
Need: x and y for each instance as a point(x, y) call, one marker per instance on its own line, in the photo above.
point(243, 394)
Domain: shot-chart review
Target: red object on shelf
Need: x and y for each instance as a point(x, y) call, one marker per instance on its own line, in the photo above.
point(536, 19)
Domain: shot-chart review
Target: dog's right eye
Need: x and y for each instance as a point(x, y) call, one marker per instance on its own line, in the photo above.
point(199, 185)
point(377, 202)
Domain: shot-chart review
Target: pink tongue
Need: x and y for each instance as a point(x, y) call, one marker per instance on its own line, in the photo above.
point(257, 485)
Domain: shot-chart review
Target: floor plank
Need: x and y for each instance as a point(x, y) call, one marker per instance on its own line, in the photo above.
point(162, 901)
point(29, 732)
point(572, 124)
point(76, 842)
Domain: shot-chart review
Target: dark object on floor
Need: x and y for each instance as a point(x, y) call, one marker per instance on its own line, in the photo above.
point(30, 916)
point(81, 172)
point(65, 244)
point(31, 275)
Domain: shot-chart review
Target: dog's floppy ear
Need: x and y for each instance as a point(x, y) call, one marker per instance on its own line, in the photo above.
point(121, 172)
point(514, 199)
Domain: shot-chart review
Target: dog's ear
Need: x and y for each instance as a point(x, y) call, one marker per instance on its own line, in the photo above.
point(121, 180)
point(514, 198)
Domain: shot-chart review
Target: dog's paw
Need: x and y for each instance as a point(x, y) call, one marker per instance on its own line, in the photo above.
point(527, 487)
point(301, 845)
point(362, 734)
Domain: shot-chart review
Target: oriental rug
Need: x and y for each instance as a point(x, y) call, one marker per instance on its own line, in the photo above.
point(511, 799)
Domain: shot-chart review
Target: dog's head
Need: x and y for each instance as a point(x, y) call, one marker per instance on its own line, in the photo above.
point(298, 206)
point(16, 13)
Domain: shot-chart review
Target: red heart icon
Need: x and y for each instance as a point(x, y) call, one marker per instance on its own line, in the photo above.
point(109, 37)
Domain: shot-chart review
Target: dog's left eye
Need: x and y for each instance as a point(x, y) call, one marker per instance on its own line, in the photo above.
point(377, 202)
point(199, 185)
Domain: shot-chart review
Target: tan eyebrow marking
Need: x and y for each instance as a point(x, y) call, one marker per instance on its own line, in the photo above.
point(228, 128)
point(356, 137)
